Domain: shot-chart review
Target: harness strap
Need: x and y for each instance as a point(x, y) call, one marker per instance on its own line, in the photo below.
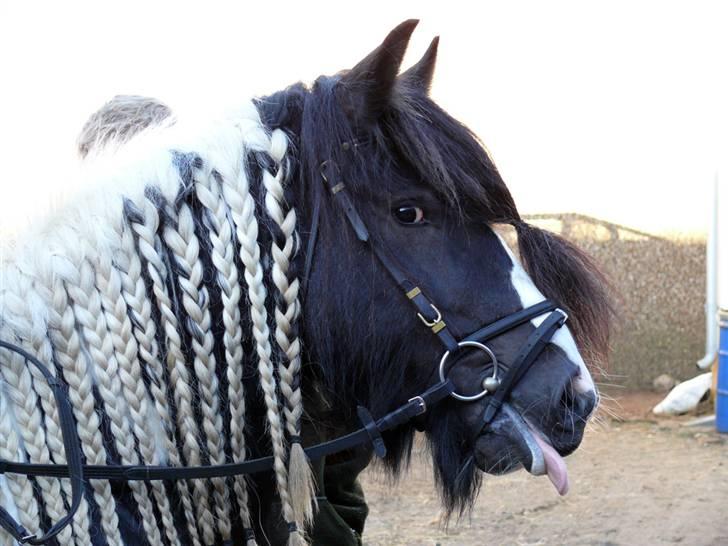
point(311, 246)
point(526, 357)
point(79, 472)
point(511, 321)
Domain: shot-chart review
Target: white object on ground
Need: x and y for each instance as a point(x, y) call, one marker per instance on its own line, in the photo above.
point(685, 396)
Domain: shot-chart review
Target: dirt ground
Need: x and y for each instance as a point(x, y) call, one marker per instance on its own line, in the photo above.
point(635, 480)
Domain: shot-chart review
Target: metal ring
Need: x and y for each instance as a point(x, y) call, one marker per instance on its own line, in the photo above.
point(477, 346)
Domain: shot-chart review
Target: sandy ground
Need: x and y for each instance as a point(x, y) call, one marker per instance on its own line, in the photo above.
point(635, 480)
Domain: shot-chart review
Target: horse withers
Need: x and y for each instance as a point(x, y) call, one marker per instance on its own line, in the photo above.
point(331, 244)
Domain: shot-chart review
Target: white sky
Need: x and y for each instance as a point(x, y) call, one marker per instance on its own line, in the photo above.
point(612, 109)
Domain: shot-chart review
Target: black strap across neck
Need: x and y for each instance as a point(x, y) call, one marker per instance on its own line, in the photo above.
point(369, 434)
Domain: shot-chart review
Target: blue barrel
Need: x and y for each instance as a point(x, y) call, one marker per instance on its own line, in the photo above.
point(721, 395)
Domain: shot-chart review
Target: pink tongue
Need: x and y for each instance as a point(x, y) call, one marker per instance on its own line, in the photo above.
point(555, 466)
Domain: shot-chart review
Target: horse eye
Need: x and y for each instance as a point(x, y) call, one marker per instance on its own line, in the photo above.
point(410, 215)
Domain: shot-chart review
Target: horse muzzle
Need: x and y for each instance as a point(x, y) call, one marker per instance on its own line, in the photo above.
point(513, 441)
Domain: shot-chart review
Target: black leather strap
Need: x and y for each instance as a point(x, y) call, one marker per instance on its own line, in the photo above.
point(311, 245)
point(79, 472)
point(511, 321)
point(526, 357)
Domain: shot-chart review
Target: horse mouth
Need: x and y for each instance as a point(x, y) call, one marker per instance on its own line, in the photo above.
point(512, 443)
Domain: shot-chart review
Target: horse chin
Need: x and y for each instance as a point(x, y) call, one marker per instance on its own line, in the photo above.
point(509, 444)
point(512, 442)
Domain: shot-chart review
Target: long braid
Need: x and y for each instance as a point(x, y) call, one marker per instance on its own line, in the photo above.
point(223, 258)
point(90, 316)
point(108, 281)
point(242, 209)
point(81, 522)
point(150, 247)
point(28, 418)
point(27, 409)
point(195, 299)
point(287, 310)
point(76, 374)
point(47, 352)
point(139, 307)
point(11, 449)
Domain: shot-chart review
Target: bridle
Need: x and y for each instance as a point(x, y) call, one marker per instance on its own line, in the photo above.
point(496, 388)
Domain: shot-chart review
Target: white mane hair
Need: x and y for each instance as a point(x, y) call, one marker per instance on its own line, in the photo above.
point(81, 291)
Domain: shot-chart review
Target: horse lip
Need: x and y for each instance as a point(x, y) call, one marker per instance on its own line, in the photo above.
point(537, 465)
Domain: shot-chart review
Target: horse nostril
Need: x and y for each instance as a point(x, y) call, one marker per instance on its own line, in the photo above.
point(579, 404)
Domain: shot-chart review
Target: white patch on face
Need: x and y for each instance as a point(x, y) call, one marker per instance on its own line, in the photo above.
point(530, 295)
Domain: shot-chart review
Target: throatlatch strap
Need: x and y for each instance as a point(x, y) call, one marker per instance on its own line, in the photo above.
point(73, 456)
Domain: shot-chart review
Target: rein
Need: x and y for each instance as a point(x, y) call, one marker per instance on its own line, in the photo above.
point(370, 433)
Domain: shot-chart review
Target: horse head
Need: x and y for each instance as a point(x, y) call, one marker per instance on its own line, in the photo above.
point(429, 194)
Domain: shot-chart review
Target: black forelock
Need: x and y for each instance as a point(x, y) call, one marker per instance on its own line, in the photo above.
point(447, 156)
point(443, 152)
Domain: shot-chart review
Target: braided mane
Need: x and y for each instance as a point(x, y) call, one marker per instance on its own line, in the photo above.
point(153, 298)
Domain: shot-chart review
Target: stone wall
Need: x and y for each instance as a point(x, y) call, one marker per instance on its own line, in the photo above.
point(661, 295)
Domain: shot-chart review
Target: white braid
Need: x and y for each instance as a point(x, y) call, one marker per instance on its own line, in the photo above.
point(26, 399)
point(67, 344)
point(41, 296)
point(223, 258)
point(6, 501)
point(195, 298)
point(29, 421)
point(286, 313)
point(104, 367)
point(108, 281)
point(81, 523)
point(11, 449)
point(150, 248)
point(242, 209)
point(135, 295)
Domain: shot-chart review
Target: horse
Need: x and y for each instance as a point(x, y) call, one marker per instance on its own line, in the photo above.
point(325, 246)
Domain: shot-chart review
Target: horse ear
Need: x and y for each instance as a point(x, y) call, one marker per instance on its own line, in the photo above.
point(369, 84)
point(420, 75)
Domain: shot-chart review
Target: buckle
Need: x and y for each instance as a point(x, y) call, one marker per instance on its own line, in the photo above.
point(421, 404)
point(432, 323)
point(564, 314)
